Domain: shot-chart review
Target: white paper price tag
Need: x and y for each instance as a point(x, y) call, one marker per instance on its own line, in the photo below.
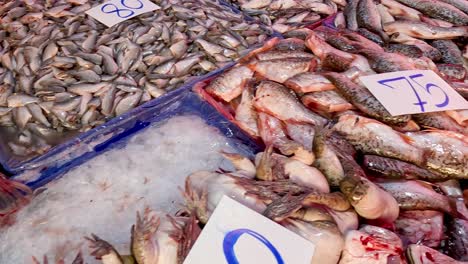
point(411, 92)
point(115, 11)
point(237, 234)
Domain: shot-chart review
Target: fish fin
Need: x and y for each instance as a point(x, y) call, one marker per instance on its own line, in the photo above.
point(100, 247)
point(284, 207)
point(12, 195)
point(264, 168)
point(78, 259)
point(407, 138)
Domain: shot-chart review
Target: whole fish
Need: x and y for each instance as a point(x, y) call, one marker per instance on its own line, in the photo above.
point(364, 100)
point(424, 31)
point(438, 9)
point(275, 99)
point(373, 137)
point(397, 169)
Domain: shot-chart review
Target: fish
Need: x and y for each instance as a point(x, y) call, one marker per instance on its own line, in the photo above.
point(460, 4)
point(275, 99)
point(245, 115)
point(457, 244)
point(362, 99)
point(368, 16)
point(397, 169)
point(45, 260)
point(326, 101)
point(308, 82)
point(372, 244)
point(13, 195)
point(349, 12)
point(452, 72)
point(428, 51)
point(400, 10)
point(294, 170)
point(229, 85)
point(367, 198)
point(382, 62)
point(439, 120)
point(372, 137)
point(371, 36)
point(460, 116)
point(273, 134)
point(423, 30)
point(445, 151)
point(439, 10)
point(105, 252)
point(322, 234)
point(420, 254)
point(48, 51)
point(410, 51)
point(421, 227)
point(280, 70)
point(418, 195)
point(163, 239)
point(449, 50)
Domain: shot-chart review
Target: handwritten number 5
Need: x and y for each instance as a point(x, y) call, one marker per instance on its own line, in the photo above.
point(428, 88)
point(122, 12)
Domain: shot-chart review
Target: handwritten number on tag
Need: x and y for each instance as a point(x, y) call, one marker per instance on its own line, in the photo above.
point(122, 12)
point(230, 240)
point(427, 88)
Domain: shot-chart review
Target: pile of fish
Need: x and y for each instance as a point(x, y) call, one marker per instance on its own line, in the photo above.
point(62, 72)
point(436, 29)
point(331, 144)
point(286, 15)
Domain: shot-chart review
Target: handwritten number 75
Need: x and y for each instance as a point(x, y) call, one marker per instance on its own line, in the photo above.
point(428, 88)
point(123, 12)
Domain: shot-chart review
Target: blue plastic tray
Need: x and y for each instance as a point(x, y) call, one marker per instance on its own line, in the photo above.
point(114, 134)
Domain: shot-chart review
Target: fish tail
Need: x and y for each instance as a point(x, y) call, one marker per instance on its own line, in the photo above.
point(12, 194)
